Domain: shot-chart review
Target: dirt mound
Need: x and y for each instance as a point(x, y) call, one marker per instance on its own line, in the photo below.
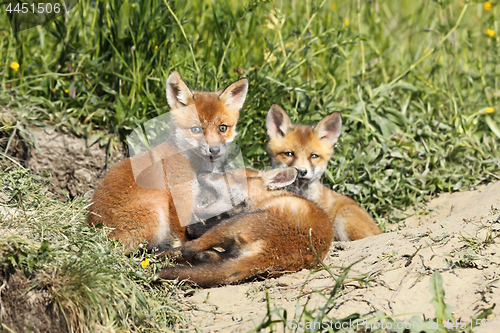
point(75, 168)
point(459, 239)
point(26, 307)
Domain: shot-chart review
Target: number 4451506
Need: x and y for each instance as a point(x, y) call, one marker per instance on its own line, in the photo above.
point(40, 9)
point(480, 323)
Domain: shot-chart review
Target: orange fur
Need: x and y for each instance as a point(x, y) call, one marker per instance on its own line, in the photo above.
point(147, 212)
point(273, 237)
point(309, 149)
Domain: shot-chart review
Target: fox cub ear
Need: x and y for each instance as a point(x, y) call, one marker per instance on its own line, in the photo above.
point(234, 95)
point(280, 177)
point(178, 93)
point(329, 128)
point(277, 122)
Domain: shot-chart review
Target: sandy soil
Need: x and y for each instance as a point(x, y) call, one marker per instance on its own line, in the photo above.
point(398, 286)
point(454, 238)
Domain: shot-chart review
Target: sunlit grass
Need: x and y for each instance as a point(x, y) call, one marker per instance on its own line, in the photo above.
point(417, 83)
point(409, 84)
point(89, 278)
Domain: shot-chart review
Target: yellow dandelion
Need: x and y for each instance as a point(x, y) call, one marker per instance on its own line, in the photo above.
point(145, 263)
point(487, 5)
point(489, 110)
point(490, 32)
point(53, 90)
point(66, 91)
point(14, 65)
point(346, 22)
point(334, 6)
point(156, 47)
point(133, 5)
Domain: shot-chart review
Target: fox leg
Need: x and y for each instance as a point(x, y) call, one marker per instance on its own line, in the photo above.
point(201, 248)
point(210, 255)
point(131, 233)
point(209, 274)
point(195, 230)
point(231, 235)
point(353, 223)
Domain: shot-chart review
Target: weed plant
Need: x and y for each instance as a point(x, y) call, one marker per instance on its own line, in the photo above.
point(416, 81)
point(89, 279)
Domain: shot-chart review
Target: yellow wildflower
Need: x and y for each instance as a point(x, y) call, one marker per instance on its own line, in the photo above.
point(145, 263)
point(14, 65)
point(334, 6)
point(269, 56)
point(66, 91)
point(156, 47)
point(487, 5)
point(489, 110)
point(133, 5)
point(490, 32)
point(53, 90)
point(346, 22)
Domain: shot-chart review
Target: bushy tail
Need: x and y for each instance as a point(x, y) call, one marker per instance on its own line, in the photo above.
point(214, 273)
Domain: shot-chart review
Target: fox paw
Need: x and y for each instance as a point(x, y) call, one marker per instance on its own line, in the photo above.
point(195, 230)
point(209, 255)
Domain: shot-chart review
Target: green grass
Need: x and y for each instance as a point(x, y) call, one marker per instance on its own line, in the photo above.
point(412, 78)
point(316, 318)
point(96, 286)
point(415, 82)
point(88, 278)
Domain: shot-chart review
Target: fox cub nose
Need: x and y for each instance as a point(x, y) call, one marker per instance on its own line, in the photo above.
point(302, 172)
point(215, 150)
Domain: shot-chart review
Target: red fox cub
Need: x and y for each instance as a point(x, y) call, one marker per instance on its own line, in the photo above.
point(272, 237)
point(146, 212)
point(309, 149)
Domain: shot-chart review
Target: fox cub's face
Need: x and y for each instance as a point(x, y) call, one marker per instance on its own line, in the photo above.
point(205, 121)
point(306, 148)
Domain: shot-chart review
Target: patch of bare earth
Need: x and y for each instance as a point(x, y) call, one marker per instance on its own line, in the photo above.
point(24, 307)
point(453, 239)
point(75, 168)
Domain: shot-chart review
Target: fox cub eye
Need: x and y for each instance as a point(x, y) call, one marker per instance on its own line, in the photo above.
point(289, 153)
point(222, 128)
point(314, 156)
point(196, 130)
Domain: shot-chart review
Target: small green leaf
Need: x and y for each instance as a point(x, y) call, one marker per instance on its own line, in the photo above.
point(123, 22)
point(94, 138)
point(443, 311)
point(44, 247)
point(402, 85)
point(493, 126)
